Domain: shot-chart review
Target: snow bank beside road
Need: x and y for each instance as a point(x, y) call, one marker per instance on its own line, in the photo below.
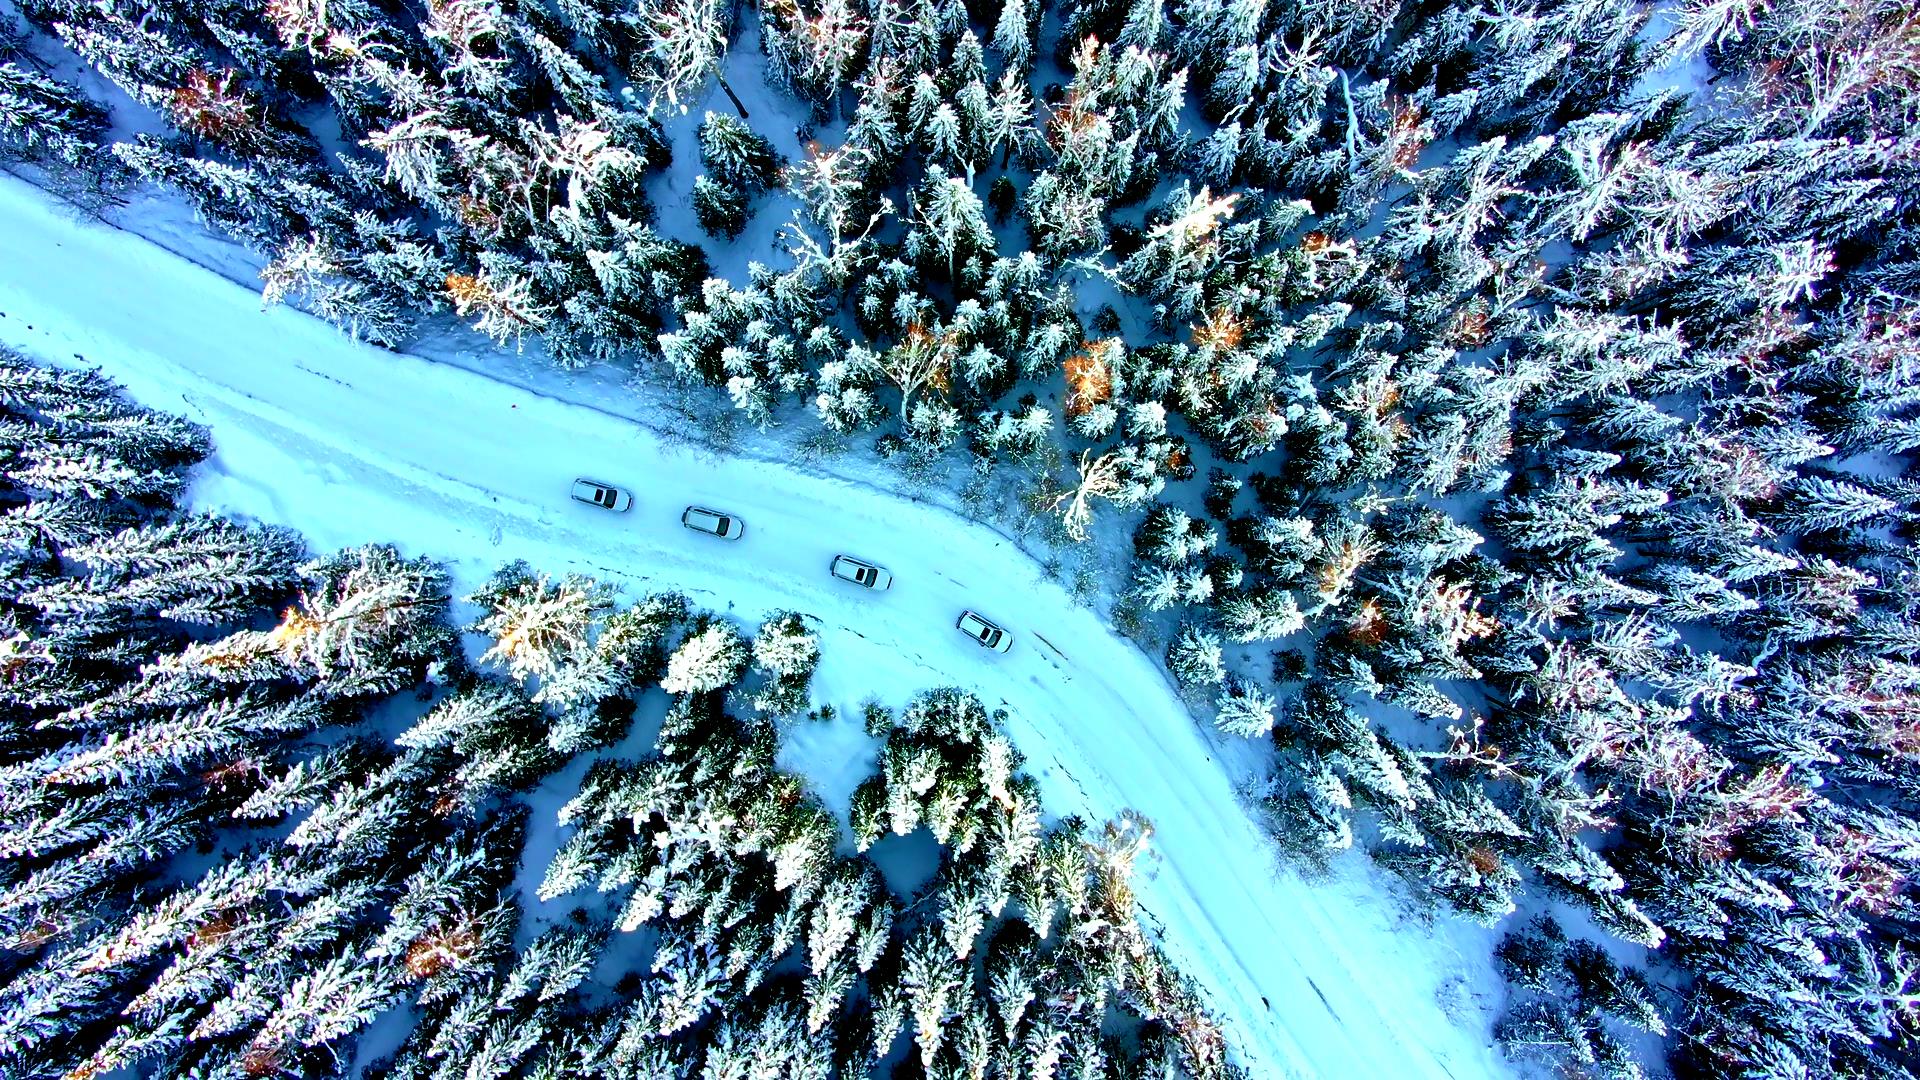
point(349, 445)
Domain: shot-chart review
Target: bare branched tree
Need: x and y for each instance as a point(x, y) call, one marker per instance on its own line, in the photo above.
point(1099, 478)
point(840, 257)
point(835, 40)
point(686, 42)
point(922, 359)
point(828, 182)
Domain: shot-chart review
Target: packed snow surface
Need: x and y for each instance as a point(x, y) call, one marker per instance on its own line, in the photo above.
point(350, 444)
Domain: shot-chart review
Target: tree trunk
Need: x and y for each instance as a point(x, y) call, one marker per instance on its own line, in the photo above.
point(731, 96)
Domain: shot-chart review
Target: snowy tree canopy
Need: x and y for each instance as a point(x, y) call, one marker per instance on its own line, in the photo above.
point(359, 796)
point(1555, 361)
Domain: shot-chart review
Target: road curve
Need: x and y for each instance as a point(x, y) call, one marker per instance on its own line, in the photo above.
point(351, 444)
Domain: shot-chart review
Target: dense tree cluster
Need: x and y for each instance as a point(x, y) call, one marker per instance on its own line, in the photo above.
point(1556, 402)
point(148, 726)
point(233, 843)
point(489, 169)
point(1007, 965)
point(53, 127)
point(1578, 1005)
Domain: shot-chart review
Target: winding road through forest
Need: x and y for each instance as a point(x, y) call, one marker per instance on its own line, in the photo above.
point(351, 444)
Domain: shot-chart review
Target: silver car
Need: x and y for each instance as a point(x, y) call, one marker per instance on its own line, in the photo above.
point(701, 519)
point(864, 574)
point(604, 496)
point(985, 633)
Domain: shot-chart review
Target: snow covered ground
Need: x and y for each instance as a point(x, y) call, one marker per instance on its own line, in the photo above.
point(349, 445)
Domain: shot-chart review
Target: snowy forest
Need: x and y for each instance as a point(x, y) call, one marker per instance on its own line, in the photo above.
point(238, 842)
point(1510, 404)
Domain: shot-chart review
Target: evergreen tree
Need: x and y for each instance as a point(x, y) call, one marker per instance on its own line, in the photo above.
point(737, 156)
point(785, 651)
point(44, 120)
point(1245, 709)
point(545, 631)
point(1195, 658)
point(711, 658)
point(721, 210)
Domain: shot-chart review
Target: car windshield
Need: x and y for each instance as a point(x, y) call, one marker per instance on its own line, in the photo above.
point(603, 496)
point(990, 636)
point(864, 576)
point(720, 523)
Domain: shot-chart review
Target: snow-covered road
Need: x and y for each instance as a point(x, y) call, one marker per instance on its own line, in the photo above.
point(350, 444)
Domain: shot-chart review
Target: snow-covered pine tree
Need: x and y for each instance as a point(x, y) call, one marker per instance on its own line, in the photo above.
point(712, 657)
point(737, 155)
point(785, 651)
point(720, 209)
point(1245, 709)
point(1195, 658)
point(50, 122)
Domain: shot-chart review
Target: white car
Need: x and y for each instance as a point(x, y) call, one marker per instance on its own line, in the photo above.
point(864, 574)
point(701, 519)
point(604, 496)
point(985, 633)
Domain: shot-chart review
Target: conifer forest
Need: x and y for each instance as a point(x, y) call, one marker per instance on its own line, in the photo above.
point(1494, 421)
point(220, 864)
